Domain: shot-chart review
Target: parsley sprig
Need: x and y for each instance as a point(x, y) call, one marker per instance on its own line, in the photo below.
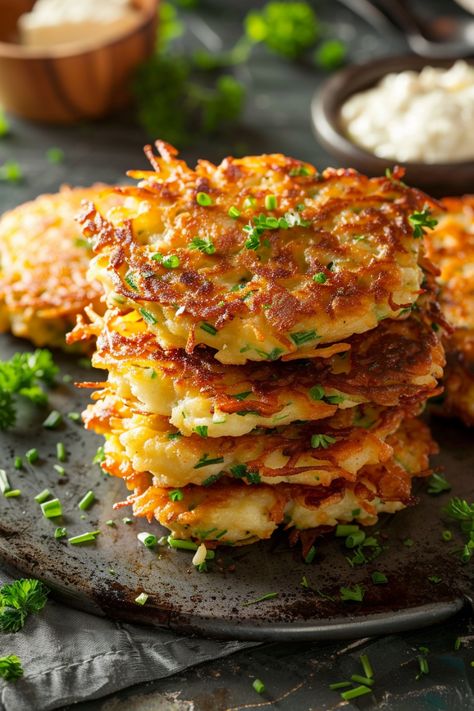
point(22, 375)
point(19, 599)
point(421, 221)
point(10, 668)
point(463, 512)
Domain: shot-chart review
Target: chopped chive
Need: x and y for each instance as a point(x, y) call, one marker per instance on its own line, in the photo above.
point(74, 416)
point(127, 521)
point(141, 599)
point(201, 430)
point(268, 596)
point(304, 582)
point(258, 686)
point(18, 464)
point(408, 542)
point(53, 420)
point(301, 337)
point(379, 578)
point(12, 493)
point(457, 643)
point(148, 317)
point(60, 532)
point(11, 172)
point(110, 522)
point(271, 202)
point(55, 155)
point(182, 544)
point(362, 680)
point(4, 482)
point(243, 395)
point(32, 456)
point(87, 537)
point(343, 530)
point(205, 462)
point(61, 452)
point(249, 202)
point(130, 280)
point(316, 392)
point(174, 435)
point(310, 555)
point(447, 535)
point(99, 456)
point(176, 495)
point(209, 328)
point(86, 501)
point(366, 666)
point(355, 693)
point(43, 496)
point(59, 469)
point(301, 170)
point(355, 512)
point(171, 261)
point(52, 508)
point(423, 665)
point(320, 278)
point(211, 479)
point(234, 212)
point(355, 594)
point(204, 199)
point(355, 539)
point(340, 685)
point(148, 539)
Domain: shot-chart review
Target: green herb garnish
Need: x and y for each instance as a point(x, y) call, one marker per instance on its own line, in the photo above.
point(321, 440)
point(176, 495)
point(355, 594)
point(205, 246)
point(421, 221)
point(10, 667)
point(21, 375)
point(437, 484)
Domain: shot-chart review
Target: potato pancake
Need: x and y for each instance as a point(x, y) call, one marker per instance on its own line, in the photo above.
point(397, 363)
point(308, 453)
point(233, 512)
point(451, 247)
point(43, 265)
point(258, 257)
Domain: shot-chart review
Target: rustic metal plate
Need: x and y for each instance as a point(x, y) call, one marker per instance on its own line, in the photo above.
point(106, 577)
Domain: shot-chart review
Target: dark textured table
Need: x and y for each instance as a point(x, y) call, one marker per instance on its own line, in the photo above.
point(277, 118)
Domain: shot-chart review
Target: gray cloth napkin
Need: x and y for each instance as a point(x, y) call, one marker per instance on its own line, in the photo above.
point(71, 656)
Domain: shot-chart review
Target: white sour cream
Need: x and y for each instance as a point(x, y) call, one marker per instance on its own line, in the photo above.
point(54, 22)
point(425, 116)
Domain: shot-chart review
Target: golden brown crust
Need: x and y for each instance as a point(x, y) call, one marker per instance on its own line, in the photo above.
point(451, 247)
point(385, 487)
point(352, 230)
point(44, 261)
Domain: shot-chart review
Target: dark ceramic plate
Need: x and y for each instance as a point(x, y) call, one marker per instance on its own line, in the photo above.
point(106, 577)
point(439, 179)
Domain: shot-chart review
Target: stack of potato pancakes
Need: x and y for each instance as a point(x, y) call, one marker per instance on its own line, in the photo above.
point(271, 336)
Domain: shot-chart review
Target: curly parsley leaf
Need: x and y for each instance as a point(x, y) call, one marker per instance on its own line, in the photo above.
point(286, 28)
point(421, 221)
point(19, 599)
point(10, 667)
point(22, 375)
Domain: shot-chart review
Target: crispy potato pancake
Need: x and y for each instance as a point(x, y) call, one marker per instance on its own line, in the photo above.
point(451, 247)
point(259, 257)
point(232, 512)
point(398, 363)
point(43, 265)
point(307, 453)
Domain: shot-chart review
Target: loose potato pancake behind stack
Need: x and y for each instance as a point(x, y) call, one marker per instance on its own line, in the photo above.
point(451, 248)
point(43, 266)
point(270, 335)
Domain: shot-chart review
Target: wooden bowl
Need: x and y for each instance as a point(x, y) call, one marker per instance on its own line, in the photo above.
point(67, 83)
point(436, 178)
